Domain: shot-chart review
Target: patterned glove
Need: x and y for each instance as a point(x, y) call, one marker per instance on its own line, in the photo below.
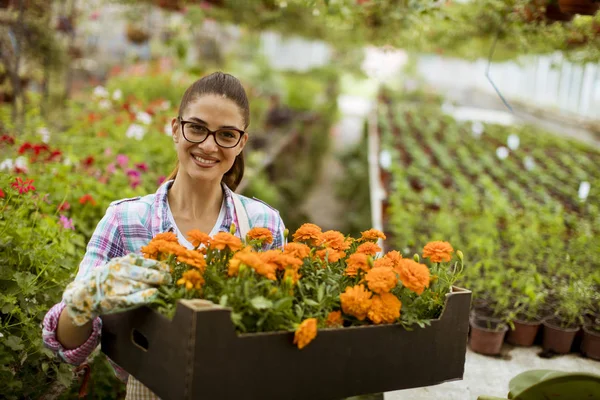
point(121, 284)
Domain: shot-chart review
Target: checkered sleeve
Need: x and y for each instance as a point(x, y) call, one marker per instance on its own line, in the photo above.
point(106, 243)
point(262, 215)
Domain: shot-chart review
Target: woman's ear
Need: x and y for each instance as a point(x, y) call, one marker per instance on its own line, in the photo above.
point(175, 130)
point(242, 143)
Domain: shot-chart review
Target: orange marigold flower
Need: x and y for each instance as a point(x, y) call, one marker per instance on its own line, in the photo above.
point(166, 236)
point(263, 235)
point(161, 249)
point(293, 274)
point(193, 258)
point(385, 309)
point(299, 250)
point(394, 256)
point(334, 240)
point(356, 262)
point(198, 238)
point(438, 251)
point(368, 248)
point(356, 301)
point(413, 275)
point(307, 233)
point(332, 254)
point(372, 234)
point(383, 262)
point(334, 319)
point(381, 280)
point(224, 240)
point(306, 332)
point(192, 279)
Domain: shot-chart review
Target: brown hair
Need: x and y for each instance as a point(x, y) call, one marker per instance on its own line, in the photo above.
point(229, 86)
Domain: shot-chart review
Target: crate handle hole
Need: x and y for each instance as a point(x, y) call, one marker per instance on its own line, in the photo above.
point(139, 339)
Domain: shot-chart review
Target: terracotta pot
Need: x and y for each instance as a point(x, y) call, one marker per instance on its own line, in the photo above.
point(487, 335)
point(524, 333)
point(584, 7)
point(590, 346)
point(557, 339)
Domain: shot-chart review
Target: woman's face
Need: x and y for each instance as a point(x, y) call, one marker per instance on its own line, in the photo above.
point(208, 161)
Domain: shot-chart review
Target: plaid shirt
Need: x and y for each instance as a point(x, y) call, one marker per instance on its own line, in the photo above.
point(130, 224)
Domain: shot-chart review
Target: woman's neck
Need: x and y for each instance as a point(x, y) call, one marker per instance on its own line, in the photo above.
point(195, 201)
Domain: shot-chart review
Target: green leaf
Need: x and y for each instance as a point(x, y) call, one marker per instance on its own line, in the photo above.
point(311, 302)
point(223, 300)
point(64, 375)
point(261, 303)
point(321, 293)
point(283, 304)
point(14, 343)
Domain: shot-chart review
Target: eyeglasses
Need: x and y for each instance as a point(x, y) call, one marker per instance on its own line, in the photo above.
point(194, 132)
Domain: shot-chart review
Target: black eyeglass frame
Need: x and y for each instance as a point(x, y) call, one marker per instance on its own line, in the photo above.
point(182, 122)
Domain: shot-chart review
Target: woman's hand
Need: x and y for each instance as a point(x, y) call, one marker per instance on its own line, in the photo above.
point(121, 284)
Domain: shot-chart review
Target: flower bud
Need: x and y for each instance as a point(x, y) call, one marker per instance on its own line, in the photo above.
point(232, 228)
point(460, 255)
point(416, 258)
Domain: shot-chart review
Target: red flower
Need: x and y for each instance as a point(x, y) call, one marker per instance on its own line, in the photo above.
point(88, 161)
point(93, 117)
point(2, 195)
point(24, 147)
point(142, 166)
point(87, 198)
point(7, 139)
point(38, 148)
point(23, 186)
point(64, 206)
point(19, 170)
point(54, 156)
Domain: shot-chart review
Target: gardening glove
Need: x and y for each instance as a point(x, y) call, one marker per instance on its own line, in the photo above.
point(121, 284)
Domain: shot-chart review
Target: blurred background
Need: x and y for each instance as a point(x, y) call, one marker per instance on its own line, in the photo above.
point(473, 122)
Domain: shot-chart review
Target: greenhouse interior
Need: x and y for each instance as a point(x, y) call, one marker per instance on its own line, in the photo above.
point(388, 199)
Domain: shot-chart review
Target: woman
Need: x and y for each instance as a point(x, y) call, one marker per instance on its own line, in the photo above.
point(209, 136)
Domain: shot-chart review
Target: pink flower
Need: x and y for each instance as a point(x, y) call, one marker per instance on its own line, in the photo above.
point(108, 152)
point(122, 160)
point(64, 206)
point(111, 168)
point(132, 173)
point(142, 166)
point(160, 180)
point(67, 223)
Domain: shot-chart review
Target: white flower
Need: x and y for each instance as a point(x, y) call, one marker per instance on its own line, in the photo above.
point(502, 152)
point(1, 335)
point(168, 129)
point(144, 117)
point(513, 142)
point(44, 133)
point(21, 162)
point(104, 104)
point(164, 106)
point(584, 190)
point(117, 95)
point(316, 12)
point(283, 4)
point(385, 159)
point(135, 131)
point(100, 91)
point(7, 164)
point(67, 161)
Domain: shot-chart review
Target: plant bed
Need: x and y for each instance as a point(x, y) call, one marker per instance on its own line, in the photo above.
point(199, 354)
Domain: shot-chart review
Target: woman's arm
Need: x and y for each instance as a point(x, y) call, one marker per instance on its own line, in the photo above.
point(69, 335)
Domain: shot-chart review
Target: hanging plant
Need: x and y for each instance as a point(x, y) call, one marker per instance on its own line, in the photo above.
point(137, 35)
point(169, 5)
point(584, 7)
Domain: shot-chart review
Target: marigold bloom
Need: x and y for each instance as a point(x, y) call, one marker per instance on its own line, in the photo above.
point(368, 248)
point(334, 240)
point(224, 240)
point(192, 279)
point(381, 280)
point(307, 233)
point(413, 275)
point(383, 262)
point(372, 234)
point(394, 256)
point(166, 236)
point(197, 238)
point(385, 309)
point(293, 274)
point(332, 254)
point(334, 319)
point(306, 332)
point(298, 250)
point(356, 262)
point(193, 258)
point(161, 249)
point(263, 235)
point(438, 251)
point(356, 301)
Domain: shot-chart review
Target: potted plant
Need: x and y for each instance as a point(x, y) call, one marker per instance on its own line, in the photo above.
point(489, 317)
point(590, 345)
point(531, 297)
point(585, 7)
point(571, 299)
point(137, 35)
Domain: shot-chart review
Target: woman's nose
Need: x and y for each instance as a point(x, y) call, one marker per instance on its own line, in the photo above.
point(210, 144)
